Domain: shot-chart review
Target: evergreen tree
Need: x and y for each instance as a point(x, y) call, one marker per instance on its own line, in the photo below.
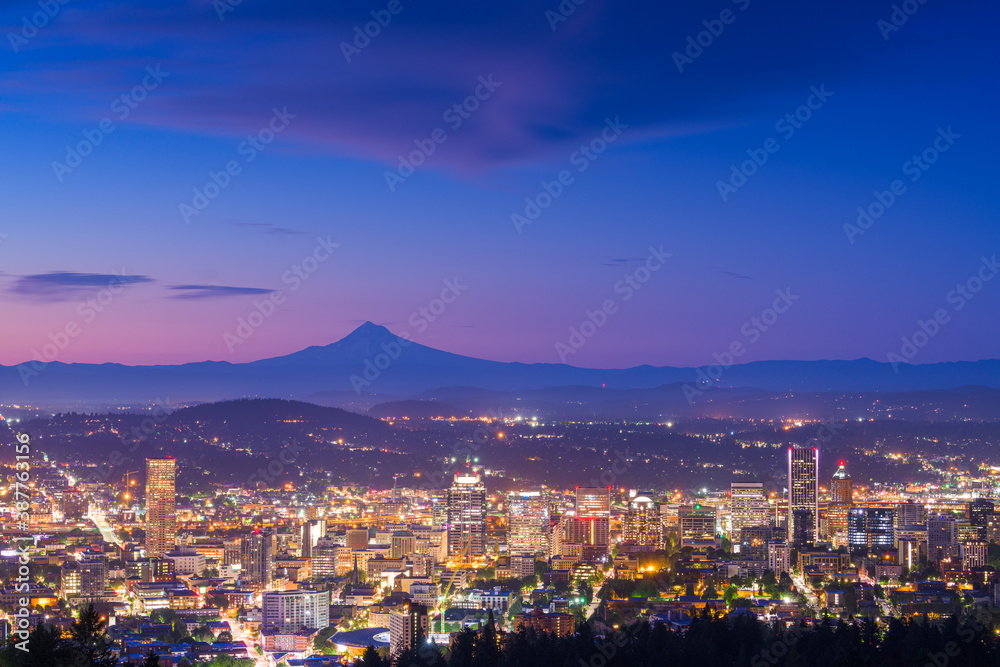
point(91, 644)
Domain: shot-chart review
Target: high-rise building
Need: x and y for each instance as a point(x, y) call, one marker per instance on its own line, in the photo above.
point(910, 514)
point(870, 527)
point(779, 556)
point(911, 544)
point(942, 536)
point(749, 506)
point(593, 509)
point(803, 486)
point(86, 578)
point(312, 530)
point(841, 486)
point(980, 511)
point(402, 544)
point(697, 523)
point(257, 559)
point(161, 506)
point(467, 516)
point(406, 626)
point(527, 523)
point(973, 554)
point(753, 541)
point(642, 526)
point(290, 611)
point(356, 538)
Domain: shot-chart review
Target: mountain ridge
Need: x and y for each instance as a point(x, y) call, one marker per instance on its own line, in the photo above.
point(371, 360)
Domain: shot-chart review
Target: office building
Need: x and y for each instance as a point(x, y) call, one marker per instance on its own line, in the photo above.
point(980, 511)
point(749, 506)
point(910, 514)
point(291, 611)
point(803, 501)
point(753, 541)
point(527, 523)
point(841, 486)
point(642, 526)
point(871, 527)
point(779, 556)
point(257, 561)
point(311, 531)
point(593, 508)
point(161, 506)
point(942, 537)
point(467, 517)
point(406, 627)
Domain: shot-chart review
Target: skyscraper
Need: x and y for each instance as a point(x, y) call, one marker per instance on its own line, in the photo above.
point(406, 626)
point(467, 516)
point(841, 502)
point(528, 523)
point(593, 515)
point(841, 486)
point(749, 506)
point(980, 511)
point(257, 559)
point(642, 526)
point(871, 527)
point(910, 514)
point(942, 536)
point(803, 483)
point(289, 611)
point(312, 530)
point(161, 506)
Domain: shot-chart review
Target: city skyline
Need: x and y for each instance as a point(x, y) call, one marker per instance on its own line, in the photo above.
point(386, 333)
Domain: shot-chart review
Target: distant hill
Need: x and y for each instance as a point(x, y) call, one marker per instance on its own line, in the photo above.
point(371, 366)
point(417, 410)
point(245, 420)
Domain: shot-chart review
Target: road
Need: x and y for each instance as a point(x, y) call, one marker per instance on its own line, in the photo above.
point(240, 634)
point(802, 587)
point(107, 532)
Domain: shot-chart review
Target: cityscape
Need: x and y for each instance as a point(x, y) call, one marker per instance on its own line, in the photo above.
point(384, 333)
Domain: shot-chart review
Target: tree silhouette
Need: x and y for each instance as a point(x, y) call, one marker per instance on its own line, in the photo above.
point(91, 642)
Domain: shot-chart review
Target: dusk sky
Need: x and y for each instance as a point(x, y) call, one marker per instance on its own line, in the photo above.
point(196, 86)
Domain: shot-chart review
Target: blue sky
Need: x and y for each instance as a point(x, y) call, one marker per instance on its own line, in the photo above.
point(324, 177)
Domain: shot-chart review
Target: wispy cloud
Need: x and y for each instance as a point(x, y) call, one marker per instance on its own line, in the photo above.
point(733, 274)
point(69, 285)
point(622, 261)
point(266, 228)
point(214, 291)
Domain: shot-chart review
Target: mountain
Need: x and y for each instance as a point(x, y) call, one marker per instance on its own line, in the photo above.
point(371, 365)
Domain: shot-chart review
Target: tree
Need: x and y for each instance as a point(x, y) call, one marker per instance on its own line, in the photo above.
point(487, 647)
point(44, 649)
point(92, 644)
point(152, 660)
point(371, 658)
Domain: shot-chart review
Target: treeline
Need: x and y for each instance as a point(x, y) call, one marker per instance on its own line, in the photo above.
point(87, 646)
point(967, 640)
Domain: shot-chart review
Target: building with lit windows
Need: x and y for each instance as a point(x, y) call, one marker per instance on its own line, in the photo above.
point(803, 486)
point(291, 611)
point(161, 506)
point(749, 506)
point(257, 562)
point(641, 525)
point(527, 523)
point(467, 516)
point(871, 527)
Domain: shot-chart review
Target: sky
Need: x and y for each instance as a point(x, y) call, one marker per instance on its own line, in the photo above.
point(621, 184)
